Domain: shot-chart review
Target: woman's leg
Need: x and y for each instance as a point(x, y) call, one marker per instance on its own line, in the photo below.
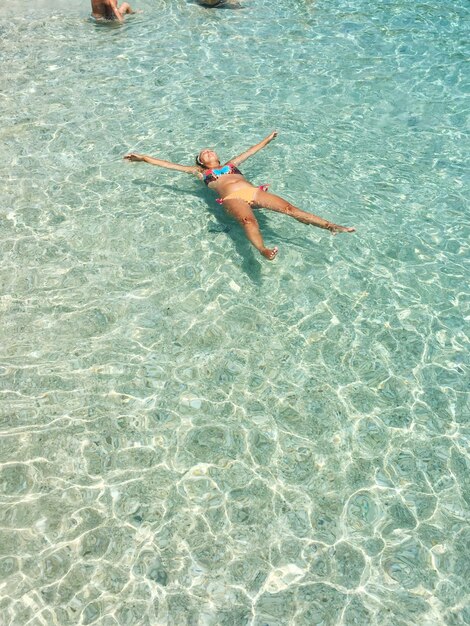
point(242, 212)
point(276, 203)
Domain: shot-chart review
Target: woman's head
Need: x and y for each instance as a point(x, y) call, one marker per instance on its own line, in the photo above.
point(207, 158)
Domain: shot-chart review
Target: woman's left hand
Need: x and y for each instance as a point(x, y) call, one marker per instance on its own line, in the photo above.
point(272, 136)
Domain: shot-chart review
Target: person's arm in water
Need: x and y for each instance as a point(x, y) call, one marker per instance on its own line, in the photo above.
point(253, 150)
point(125, 9)
point(188, 169)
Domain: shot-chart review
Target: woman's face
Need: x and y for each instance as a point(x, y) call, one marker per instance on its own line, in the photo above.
point(209, 158)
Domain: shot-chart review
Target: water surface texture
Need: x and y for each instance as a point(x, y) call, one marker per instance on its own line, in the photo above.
point(191, 435)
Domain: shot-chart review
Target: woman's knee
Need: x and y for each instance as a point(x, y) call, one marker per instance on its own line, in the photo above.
point(248, 220)
point(290, 209)
point(293, 211)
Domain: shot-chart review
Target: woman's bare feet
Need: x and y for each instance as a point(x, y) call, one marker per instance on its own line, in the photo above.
point(269, 253)
point(336, 228)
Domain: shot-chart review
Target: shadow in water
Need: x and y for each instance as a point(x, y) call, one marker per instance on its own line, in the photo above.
point(224, 223)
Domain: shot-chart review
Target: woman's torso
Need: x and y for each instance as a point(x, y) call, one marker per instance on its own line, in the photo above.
point(225, 183)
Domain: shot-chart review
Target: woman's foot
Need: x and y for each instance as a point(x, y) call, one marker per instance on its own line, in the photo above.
point(269, 253)
point(336, 228)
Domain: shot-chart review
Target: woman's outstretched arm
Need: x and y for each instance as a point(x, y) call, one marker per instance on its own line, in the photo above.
point(253, 150)
point(188, 169)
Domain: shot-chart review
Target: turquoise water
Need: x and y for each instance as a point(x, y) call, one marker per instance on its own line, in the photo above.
point(191, 435)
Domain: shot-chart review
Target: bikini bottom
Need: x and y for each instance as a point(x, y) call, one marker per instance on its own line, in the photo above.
point(247, 194)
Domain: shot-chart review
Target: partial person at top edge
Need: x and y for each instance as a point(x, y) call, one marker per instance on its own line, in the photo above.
point(109, 10)
point(219, 4)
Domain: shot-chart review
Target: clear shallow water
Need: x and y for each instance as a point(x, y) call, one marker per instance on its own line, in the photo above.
point(190, 434)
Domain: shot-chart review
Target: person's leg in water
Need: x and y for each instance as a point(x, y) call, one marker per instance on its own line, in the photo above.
point(242, 212)
point(266, 200)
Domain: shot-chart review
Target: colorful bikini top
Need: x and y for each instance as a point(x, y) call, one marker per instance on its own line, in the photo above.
point(208, 176)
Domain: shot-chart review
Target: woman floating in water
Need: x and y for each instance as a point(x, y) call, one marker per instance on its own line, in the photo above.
point(238, 196)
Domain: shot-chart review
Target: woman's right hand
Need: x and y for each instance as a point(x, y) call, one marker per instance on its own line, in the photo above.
point(134, 157)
